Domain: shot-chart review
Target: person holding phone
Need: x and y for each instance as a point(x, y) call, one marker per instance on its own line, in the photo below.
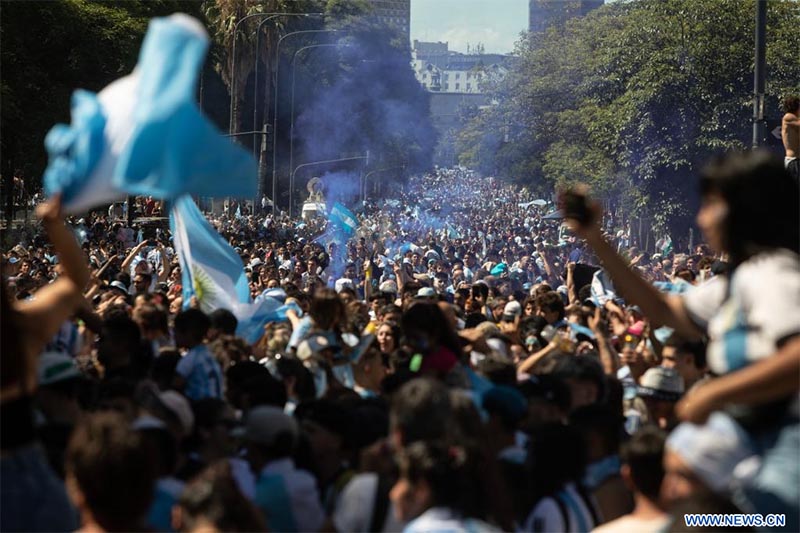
point(750, 211)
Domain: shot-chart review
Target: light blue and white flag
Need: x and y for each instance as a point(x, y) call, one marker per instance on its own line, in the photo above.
point(144, 134)
point(343, 219)
point(213, 273)
point(602, 290)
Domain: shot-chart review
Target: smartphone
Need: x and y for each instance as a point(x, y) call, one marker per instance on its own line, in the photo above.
point(574, 205)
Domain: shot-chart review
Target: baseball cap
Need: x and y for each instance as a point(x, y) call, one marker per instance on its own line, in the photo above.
point(661, 383)
point(388, 286)
point(344, 283)
point(512, 309)
point(119, 286)
point(426, 292)
point(55, 367)
point(265, 423)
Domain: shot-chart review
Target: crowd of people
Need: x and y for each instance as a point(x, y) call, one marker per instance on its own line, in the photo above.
point(464, 362)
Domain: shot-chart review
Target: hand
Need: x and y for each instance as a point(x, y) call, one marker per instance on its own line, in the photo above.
point(50, 212)
point(595, 216)
point(698, 404)
point(570, 266)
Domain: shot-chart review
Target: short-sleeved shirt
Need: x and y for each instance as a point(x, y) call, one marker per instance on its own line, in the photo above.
point(202, 373)
point(748, 321)
point(356, 505)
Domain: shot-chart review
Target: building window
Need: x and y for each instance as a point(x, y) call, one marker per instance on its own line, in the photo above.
point(446, 86)
point(469, 87)
point(469, 75)
point(458, 75)
point(457, 86)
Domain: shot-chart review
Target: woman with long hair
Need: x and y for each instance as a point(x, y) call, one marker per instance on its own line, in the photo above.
point(440, 488)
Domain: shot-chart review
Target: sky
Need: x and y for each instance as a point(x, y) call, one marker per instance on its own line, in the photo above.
point(494, 23)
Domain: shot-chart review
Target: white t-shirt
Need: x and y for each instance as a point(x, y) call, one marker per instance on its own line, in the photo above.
point(356, 504)
point(444, 520)
point(761, 310)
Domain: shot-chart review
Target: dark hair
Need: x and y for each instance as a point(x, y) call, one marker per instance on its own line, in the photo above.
point(428, 319)
point(498, 370)
point(556, 456)
point(151, 317)
point(791, 103)
point(602, 420)
point(581, 368)
point(327, 310)
point(224, 321)
point(551, 301)
point(304, 386)
point(763, 203)
point(215, 497)
point(696, 348)
point(643, 453)
point(421, 410)
point(193, 321)
point(453, 473)
point(334, 416)
point(103, 452)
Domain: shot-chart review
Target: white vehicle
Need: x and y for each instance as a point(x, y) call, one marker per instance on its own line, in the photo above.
point(314, 210)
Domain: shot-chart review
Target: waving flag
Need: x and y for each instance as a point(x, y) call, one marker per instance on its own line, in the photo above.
point(343, 219)
point(143, 134)
point(213, 273)
point(602, 290)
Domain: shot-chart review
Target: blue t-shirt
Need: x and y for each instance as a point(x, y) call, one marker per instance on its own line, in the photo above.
point(202, 373)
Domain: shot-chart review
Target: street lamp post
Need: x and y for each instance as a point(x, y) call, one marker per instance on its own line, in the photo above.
point(291, 113)
point(314, 163)
point(275, 112)
point(370, 173)
point(258, 49)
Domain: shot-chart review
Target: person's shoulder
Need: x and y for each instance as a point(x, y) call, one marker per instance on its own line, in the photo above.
point(768, 265)
point(628, 523)
point(545, 512)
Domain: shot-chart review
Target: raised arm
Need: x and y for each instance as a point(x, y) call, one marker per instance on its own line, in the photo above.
point(126, 264)
point(58, 301)
point(661, 309)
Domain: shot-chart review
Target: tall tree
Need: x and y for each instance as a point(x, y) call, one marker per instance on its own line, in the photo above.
point(633, 98)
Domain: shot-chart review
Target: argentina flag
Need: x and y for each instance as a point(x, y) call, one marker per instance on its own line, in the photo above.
point(213, 273)
point(144, 134)
point(343, 220)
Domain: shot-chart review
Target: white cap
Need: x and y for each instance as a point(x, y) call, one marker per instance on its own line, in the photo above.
point(512, 308)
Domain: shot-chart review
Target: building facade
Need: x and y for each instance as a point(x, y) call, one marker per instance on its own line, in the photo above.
point(441, 70)
point(395, 13)
point(545, 13)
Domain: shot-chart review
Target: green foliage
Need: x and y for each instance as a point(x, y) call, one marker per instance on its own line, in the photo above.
point(633, 98)
point(49, 49)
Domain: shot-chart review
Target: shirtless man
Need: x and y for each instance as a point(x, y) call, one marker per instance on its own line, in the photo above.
point(790, 132)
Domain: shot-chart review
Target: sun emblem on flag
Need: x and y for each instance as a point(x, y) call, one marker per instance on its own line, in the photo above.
point(204, 287)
